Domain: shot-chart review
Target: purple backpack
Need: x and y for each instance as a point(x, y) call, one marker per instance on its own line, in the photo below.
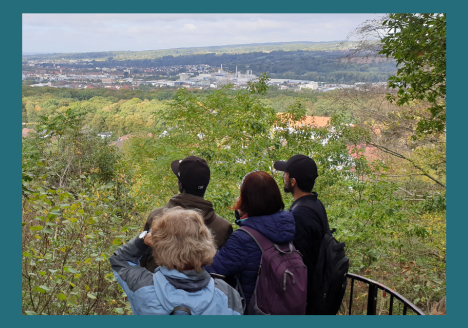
point(281, 286)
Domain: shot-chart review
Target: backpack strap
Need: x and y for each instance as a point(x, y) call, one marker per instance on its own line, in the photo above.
point(301, 202)
point(217, 276)
point(307, 202)
point(263, 242)
point(181, 308)
point(241, 292)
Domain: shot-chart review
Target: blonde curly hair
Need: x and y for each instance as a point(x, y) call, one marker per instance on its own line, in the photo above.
point(181, 240)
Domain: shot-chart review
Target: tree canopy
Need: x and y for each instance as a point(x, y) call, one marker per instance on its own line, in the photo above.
point(418, 44)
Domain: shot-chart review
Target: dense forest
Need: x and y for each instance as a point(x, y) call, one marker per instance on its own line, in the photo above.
point(126, 111)
point(317, 65)
point(382, 179)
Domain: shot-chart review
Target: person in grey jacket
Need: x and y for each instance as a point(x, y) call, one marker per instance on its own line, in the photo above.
point(182, 245)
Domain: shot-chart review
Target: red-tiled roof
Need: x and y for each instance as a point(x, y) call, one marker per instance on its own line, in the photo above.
point(126, 137)
point(370, 152)
point(317, 121)
point(26, 131)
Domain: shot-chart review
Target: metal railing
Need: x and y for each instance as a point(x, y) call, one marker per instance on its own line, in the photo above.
point(372, 297)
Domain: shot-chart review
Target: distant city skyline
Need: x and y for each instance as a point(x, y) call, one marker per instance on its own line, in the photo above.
point(62, 33)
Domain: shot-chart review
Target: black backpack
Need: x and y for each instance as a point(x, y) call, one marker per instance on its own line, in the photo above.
point(329, 280)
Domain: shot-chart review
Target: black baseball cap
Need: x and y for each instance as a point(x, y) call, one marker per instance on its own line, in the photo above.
point(299, 167)
point(193, 172)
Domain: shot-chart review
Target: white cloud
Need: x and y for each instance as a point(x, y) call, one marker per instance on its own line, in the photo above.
point(101, 32)
point(189, 27)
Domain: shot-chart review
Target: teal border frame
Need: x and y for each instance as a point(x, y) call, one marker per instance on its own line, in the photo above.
point(10, 299)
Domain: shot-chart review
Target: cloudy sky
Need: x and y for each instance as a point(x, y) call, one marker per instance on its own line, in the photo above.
point(49, 33)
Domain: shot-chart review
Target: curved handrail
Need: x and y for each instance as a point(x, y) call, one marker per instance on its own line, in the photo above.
point(373, 286)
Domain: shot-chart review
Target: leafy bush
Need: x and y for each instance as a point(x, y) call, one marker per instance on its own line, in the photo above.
point(83, 198)
point(76, 211)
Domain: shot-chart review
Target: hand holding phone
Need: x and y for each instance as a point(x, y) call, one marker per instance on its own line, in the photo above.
point(148, 240)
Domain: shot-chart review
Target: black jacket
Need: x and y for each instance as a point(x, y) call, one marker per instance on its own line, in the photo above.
point(310, 228)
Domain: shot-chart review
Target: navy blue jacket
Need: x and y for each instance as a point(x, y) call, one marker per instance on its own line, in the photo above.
point(241, 253)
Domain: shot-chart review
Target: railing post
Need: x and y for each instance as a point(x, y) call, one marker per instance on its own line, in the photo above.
point(390, 312)
point(351, 297)
point(372, 299)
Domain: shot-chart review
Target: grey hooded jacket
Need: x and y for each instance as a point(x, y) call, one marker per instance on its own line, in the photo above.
point(162, 291)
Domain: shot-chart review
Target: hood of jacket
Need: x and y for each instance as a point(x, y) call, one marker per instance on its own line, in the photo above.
point(278, 227)
point(170, 287)
point(190, 201)
point(188, 280)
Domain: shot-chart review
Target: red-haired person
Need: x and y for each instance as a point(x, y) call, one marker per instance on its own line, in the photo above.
point(259, 207)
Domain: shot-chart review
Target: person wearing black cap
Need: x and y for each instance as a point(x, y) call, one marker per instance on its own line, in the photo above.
point(193, 176)
point(299, 174)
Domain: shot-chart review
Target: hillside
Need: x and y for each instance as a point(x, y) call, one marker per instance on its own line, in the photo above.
point(226, 49)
